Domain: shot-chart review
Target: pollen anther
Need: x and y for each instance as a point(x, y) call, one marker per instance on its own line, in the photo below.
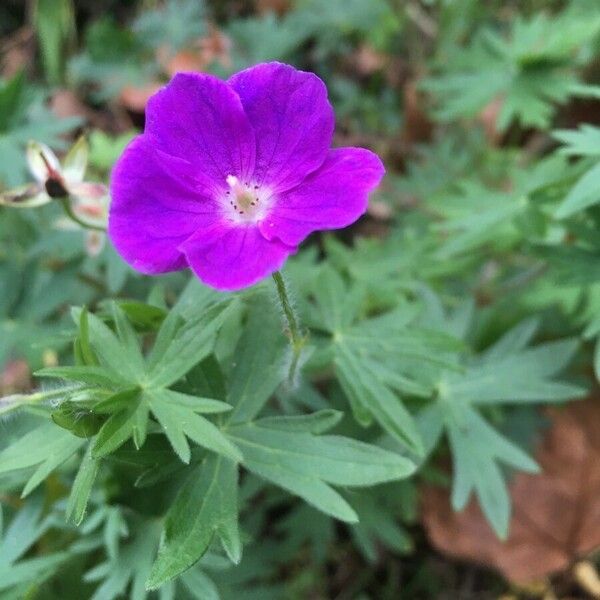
point(249, 201)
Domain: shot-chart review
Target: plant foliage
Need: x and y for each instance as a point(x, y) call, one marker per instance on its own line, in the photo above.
point(160, 450)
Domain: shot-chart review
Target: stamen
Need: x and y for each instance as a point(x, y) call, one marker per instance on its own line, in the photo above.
point(248, 201)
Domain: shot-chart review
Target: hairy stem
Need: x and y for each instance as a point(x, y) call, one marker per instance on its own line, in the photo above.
point(297, 340)
point(66, 204)
point(16, 401)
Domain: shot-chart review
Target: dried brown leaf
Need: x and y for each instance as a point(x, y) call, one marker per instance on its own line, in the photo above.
point(488, 117)
point(277, 6)
point(135, 98)
point(556, 514)
point(417, 125)
point(212, 48)
point(65, 103)
point(15, 377)
point(17, 52)
point(367, 60)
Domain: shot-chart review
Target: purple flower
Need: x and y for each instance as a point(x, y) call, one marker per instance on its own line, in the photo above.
point(229, 177)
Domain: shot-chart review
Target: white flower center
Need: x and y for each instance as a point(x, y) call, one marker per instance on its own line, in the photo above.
point(245, 202)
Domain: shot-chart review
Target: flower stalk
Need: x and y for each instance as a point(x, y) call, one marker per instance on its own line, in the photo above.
point(297, 340)
point(11, 403)
point(66, 204)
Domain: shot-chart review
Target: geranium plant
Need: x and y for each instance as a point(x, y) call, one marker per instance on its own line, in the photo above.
point(242, 358)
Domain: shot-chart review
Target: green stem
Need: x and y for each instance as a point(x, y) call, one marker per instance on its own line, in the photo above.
point(10, 403)
point(297, 340)
point(66, 204)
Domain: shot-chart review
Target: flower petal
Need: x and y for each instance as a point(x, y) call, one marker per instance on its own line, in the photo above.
point(158, 201)
point(292, 118)
point(231, 258)
point(75, 161)
point(39, 158)
point(199, 118)
point(30, 195)
point(88, 191)
point(332, 197)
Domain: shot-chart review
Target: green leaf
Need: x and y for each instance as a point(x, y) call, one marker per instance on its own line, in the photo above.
point(11, 95)
point(279, 38)
point(316, 423)
point(508, 372)
point(55, 27)
point(305, 464)
point(190, 344)
point(199, 586)
point(119, 427)
point(476, 449)
point(166, 333)
point(529, 69)
point(23, 530)
point(376, 357)
point(586, 90)
point(145, 316)
point(177, 415)
point(194, 403)
point(204, 433)
point(177, 23)
point(172, 428)
point(585, 193)
point(59, 454)
point(514, 377)
point(91, 375)
point(118, 401)
point(32, 570)
point(572, 265)
point(87, 354)
point(584, 141)
point(128, 339)
point(207, 379)
point(18, 537)
point(379, 513)
point(471, 230)
point(41, 445)
point(140, 425)
point(258, 367)
point(82, 488)
point(24, 115)
point(336, 306)
point(97, 376)
point(514, 340)
point(105, 149)
point(205, 507)
point(125, 572)
point(368, 395)
point(111, 353)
